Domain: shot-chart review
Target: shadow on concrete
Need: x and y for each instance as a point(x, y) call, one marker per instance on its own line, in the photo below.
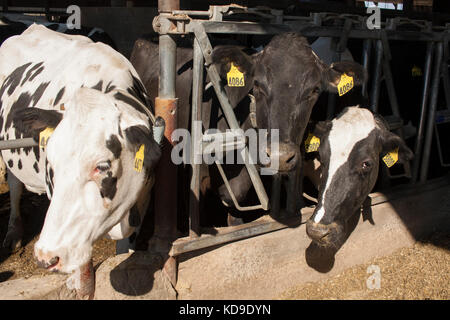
point(5, 275)
point(322, 258)
point(136, 275)
point(33, 209)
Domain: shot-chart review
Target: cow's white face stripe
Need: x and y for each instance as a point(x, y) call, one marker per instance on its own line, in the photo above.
point(351, 127)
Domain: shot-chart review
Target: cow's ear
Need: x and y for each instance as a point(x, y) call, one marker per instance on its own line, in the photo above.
point(224, 56)
point(322, 128)
point(31, 121)
point(336, 70)
point(390, 142)
point(140, 135)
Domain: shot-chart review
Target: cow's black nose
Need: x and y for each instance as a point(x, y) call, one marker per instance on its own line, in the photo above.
point(317, 231)
point(286, 156)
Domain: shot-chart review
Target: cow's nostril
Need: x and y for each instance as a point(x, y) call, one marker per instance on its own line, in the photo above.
point(290, 158)
point(48, 264)
point(317, 231)
point(53, 261)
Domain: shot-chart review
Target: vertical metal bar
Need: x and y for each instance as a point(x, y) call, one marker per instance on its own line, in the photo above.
point(166, 174)
point(331, 106)
point(367, 47)
point(293, 192)
point(167, 62)
point(445, 75)
point(275, 197)
point(423, 109)
point(390, 88)
point(431, 113)
point(375, 90)
point(168, 5)
point(196, 130)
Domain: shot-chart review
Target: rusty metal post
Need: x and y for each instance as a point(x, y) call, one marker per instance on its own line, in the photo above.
point(166, 174)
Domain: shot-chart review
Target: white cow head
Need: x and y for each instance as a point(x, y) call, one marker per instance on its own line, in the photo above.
point(350, 149)
point(90, 173)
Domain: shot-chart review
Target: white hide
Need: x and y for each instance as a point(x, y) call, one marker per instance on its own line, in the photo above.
point(353, 126)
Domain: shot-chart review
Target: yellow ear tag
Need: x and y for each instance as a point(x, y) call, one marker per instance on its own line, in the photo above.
point(44, 135)
point(345, 85)
point(416, 71)
point(139, 159)
point(312, 143)
point(391, 158)
point(235, 78)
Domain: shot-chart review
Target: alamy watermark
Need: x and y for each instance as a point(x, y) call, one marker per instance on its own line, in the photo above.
point(74, 20)
point(374, 280)
point(216, 146)
point(374, 20)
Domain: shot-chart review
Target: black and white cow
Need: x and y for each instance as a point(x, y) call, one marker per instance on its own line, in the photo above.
point(93, 99)
point(14, 24)
point(286, 78)
point(351, 146)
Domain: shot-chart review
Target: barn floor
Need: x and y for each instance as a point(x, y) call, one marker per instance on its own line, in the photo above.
point(409, 242)
point(418, 272)
point(21, 264)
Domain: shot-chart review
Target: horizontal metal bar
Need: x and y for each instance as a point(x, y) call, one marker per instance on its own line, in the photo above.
point(18, 143)
point(33, 10)
point(309, 30)
point(228, 234)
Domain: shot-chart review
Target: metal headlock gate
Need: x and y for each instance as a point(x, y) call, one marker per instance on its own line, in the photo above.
point(173, 22)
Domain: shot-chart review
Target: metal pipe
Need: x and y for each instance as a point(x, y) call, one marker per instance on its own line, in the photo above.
point(445, 75)
point(293, 192)
point(167, 63)
point(275, 197)
point(431, 113)
point(18, 143)
point(375, 90)
point(197, 94)
point(367, 47)
point(423, 108)
point(307, 30)
point(388, 77)
point(166, 174)
point(168, 5)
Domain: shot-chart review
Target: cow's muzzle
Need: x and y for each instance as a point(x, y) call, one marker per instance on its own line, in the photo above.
point(284, 159)
point(47, 261)
point(322, 234)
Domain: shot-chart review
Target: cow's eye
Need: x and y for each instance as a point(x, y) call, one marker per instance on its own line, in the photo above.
point(103, 166)
point(366, 165)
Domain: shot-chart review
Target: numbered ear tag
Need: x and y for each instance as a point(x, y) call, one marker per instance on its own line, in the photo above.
point(235, 78)
point(139, 159)
point(312, 143)
point(345, 85)
point(391, 158)
point(416, 71)
point(44, 135)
